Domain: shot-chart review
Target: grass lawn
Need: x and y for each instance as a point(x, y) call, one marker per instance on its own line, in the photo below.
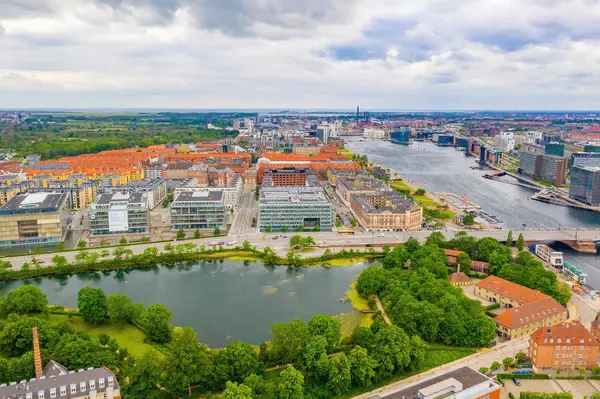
point(129, 337)
point(425, 200)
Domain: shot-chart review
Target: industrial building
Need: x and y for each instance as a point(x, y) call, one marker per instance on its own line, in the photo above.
point(35, 218)
point(119, 213)
point(202, 209)
point(585, 184)
point(549, 168)
point(460, 383)
point(156, 189)
point(388, 211)
point(291, 207)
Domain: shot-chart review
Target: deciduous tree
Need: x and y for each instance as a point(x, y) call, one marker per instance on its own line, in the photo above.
point(119, 309)
point(291, 384)
point(92, 304)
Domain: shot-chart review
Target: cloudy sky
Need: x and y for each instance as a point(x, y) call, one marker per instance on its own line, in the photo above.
point(384, 54)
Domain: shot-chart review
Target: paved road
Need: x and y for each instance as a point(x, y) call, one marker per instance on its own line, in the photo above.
point(333, 240)
point(242, 222)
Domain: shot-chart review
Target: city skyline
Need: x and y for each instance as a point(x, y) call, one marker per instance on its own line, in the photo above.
point(236, 54)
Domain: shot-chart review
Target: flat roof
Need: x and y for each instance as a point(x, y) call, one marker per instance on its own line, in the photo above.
point(293, 194)
point(464, 375)
point(199, 196)
point(35, 200)
point(130, 197)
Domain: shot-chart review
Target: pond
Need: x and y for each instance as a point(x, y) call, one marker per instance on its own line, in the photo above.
point(224, 300)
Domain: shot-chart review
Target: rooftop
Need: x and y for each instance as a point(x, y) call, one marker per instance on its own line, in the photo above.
point(40, 201)
point(573, 332)
point(128, 197)
point(530, 312)
point(296, 195)
point(199, 196)
point(456, 380)
point(393, 202)
point(511, 290)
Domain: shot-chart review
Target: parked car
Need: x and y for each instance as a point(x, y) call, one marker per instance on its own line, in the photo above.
point(516, 381)
point(221, 243)
point(523, 372)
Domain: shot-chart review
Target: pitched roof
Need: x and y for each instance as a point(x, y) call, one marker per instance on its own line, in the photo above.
point(510, 290)
point(458, 277)
point(452, 252)
point(530, 312)
point(574, 331)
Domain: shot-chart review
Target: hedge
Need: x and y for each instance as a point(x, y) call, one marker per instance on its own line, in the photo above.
point(567, 377)
point(492, 306)
point(511, 396)
point(545, 395)
point(538, 376)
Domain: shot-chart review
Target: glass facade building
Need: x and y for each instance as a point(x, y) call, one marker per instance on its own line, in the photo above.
point(202, 209)
point(585, 185)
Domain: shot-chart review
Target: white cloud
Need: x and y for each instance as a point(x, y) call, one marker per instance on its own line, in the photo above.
point(295, 53)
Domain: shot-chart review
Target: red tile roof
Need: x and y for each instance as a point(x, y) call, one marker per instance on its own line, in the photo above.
point(530, 312)
point(511, 290)
point(560, 333)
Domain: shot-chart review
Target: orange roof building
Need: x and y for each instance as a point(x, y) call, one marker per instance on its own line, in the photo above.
point(506, 293)
point(522, 321)
point(565, 345)
point(317, 163)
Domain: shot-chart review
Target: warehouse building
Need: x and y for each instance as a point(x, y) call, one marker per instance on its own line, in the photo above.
point(119, 213)
point(35, 218)
point(202, 209)
point(290, 207)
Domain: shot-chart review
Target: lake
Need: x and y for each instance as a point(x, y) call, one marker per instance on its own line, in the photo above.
point(223, 301)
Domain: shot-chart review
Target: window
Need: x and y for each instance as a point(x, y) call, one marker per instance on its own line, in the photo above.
point(564, 348)
point(557, 347)
point(556, 356)
point(73, 388)
point(53, 393)
point(556, 362)
point(82, 386)
point(63, 390)
point(41, 395)
point(92, 384)
point(581, 348)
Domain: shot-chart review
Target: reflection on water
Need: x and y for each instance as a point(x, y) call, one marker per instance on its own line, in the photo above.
point(237, 299)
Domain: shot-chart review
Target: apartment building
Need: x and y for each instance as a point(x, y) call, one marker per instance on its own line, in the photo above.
point(506, 293)
point(198, 210)
point(564, 345)
point(387, 211)
point(527, 318)
point(119, 213)
point(347, 187)
point(35, 218)
point(288, 176)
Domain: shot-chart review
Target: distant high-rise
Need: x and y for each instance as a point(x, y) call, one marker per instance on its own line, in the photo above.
point(357, 114)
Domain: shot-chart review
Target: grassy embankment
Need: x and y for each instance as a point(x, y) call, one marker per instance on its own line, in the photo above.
point(431, 208)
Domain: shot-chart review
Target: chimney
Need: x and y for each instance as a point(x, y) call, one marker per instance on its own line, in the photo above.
point(37, 358)
point(458, 268)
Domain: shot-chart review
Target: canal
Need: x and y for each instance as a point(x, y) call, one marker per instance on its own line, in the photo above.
point(222, 301)
point(444, 169)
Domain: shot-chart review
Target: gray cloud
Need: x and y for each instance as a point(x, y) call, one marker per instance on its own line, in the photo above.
point(21, 8)
point(2, 30)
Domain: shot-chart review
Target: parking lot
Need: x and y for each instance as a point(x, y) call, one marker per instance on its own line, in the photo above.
point(579, 388)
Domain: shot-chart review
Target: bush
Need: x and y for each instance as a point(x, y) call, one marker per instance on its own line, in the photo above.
point(492, 306)
point(545, 395)
point(537, 376)
point(511, 396)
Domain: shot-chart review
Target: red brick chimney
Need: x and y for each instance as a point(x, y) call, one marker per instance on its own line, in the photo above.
point(37, 358)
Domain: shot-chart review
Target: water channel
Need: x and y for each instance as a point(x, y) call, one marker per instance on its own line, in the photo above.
point(444, 169)
point(222, 301)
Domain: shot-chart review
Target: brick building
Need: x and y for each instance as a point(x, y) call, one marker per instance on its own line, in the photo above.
point(565, 345)
point(288, 176)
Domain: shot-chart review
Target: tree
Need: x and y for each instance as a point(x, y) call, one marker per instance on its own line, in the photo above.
point(312, 352)
point(269, 256)
point(23, 300)
point(145, 377)
point(82, 257)
point(284, 229)
point(180, 234)
point(391, 350)
point(507, 362)
point(92, 304)
point(123, 240)
point(469, 219)
point(520, 356)
point(293, 258)
point(103, 339)
point(187, 362)
point(595, 370)
point(5, 265)
point(327, 326)
point(520, 244)
point(510, 239)
point(197, 233)
point(484, 370)
point(340, 376)
point(119, 309)
point(217, 231)
point(118, 253)
point(412, 244)
point(362, 366)
point(105, 253)
point(291, 384)
point(495, 366)
point(82, 244)
point(233, 390)
point(299, 228)
point(288, 339)
point(464, 260)
point(363, 336)
point(386, 249)
point(256, 383)
point(237, 361)
point(582, 370)
point(268, 229)
point(396, 259)
point(156, 320)
point(371, 281)
point(420, 192)
point(436, 238)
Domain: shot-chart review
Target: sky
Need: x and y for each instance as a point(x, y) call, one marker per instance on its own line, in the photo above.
point(379, 54)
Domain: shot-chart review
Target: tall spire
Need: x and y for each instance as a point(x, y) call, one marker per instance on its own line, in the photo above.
point(36, 354)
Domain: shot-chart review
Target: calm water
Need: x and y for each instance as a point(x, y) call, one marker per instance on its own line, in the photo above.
point(219, 300)
point(443, 169)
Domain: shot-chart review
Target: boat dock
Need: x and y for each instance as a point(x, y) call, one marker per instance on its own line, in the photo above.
point(458, 203)
point(558, 197)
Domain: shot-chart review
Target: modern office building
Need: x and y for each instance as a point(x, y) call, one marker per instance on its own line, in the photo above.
point(461, 383)
point(591, 148)
point(232, 192)
point(388, 211)
point(288, 176)
point(549, 168)
point(565, 345)
point(35, 218)
point(401, 136)
point(203, 209)
point(585, 159)
point(585, 184)
point(119, 213)
point(557, 149)
point(156, 189)
point(291, 207)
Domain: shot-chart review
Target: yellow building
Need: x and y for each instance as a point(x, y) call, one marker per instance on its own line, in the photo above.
point(38, 218)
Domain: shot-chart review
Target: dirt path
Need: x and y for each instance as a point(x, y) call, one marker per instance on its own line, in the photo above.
point(382, 310)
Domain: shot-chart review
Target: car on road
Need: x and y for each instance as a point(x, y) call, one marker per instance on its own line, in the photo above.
point(221, 243)
point(516, 381)
point(523, 372)
point(284, 236)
